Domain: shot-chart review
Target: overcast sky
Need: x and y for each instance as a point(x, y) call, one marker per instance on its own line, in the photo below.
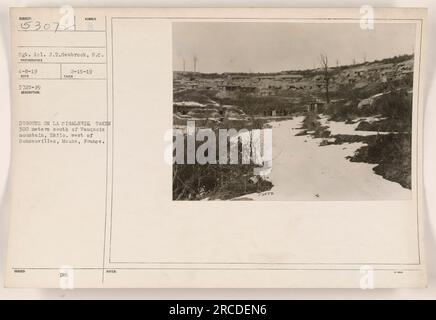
point(270, 47)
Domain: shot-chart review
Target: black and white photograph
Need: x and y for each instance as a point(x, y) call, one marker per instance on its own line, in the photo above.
point(293, 110)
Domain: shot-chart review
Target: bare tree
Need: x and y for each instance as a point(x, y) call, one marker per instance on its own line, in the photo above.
point(195, 58)
point(324, 61)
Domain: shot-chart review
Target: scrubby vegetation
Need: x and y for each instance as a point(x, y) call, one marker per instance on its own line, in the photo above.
point(197, 182)
point(312, 125)
point(217, 181)
point(391, 152)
